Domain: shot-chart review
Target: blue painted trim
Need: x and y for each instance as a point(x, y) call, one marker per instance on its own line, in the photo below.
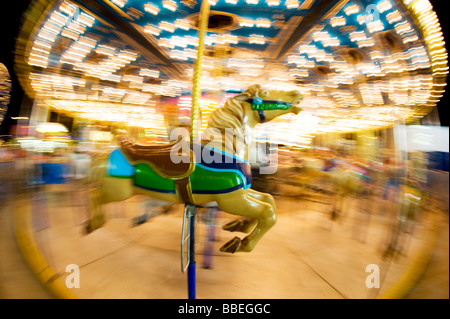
point(222, 191)
point(262, 116)
point(241, 160)
point(243, 177)
point(118, 164)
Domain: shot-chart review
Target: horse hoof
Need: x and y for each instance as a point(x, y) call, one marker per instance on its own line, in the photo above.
point(232, 246)
point(334, 215)
point(242, 225)
point(234, 225)
point(88, 228)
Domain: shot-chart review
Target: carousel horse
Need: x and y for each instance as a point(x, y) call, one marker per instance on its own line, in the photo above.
point(355, 180)
point(413, 197)
point(345, 180)
point(215, 171)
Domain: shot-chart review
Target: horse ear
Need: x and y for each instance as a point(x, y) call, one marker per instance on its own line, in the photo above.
point(249, 93)
point(243, 96)
point(294, 93)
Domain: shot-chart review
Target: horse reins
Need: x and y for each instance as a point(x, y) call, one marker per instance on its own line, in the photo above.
point(260, 105)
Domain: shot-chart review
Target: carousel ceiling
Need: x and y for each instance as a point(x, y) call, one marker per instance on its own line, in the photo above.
point(359, 64)
point(5, 91)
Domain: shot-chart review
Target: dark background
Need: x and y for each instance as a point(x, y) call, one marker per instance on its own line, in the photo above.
point(11, 13)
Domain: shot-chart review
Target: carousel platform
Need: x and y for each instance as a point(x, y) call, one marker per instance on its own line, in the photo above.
point(305, 255)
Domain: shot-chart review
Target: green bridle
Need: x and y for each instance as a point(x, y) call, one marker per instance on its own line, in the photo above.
point(260, 105)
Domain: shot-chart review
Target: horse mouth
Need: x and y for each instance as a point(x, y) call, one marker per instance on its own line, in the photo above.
point(295, 105)
point(296, 109)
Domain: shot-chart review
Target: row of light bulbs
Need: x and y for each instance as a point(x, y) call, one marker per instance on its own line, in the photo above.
point(319, 95)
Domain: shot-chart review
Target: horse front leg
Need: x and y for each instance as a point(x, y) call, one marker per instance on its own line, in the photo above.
point(337, 206)
point(107, 190)
point(242, 203)
point(96, 214)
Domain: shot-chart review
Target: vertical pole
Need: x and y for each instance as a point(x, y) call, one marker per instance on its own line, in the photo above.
point(191, 267)
point(210, 214)
point(196, 90)
point(196, 95)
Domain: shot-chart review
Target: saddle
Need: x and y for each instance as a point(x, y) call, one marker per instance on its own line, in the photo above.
point(160, 157)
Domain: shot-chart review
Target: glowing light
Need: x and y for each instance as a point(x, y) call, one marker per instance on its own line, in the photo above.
point(150, 7)
point(291, 4)
point(76, 27)
point(169, 4)
point(256, 39)
point(352, 9)
point(273, 2)
point(244, 22)
point(50, 127)
point(384, 6)
point(106, 50)
point(263, 23)
point(70, 34)
point(403, 27)
point(86, 19)
point(68, 8)
point(182, 24)
point(152, 29)
point(166, 43)
point(394, 17)
point(132, 78)
point(166, 26)
point(357, 36)
point(337, 21)
point(58, 19)
point(119, 3)
point(375, 26)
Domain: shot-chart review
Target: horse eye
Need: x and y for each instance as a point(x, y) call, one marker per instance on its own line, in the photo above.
point(264, 93)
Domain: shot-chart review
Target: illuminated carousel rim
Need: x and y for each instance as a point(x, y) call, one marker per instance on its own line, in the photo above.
point(5, 91)
point(420, 11)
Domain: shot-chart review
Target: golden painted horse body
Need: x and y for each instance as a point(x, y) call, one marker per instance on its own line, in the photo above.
point(150, 170)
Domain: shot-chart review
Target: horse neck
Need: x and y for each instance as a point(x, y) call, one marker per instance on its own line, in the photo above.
point(231, 139)
point(227, 143)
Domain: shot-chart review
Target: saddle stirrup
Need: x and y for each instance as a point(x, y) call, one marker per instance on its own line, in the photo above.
point(189, 264)
point(187, 237)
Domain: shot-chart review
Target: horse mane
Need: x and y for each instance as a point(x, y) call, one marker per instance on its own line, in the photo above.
point(230, 116)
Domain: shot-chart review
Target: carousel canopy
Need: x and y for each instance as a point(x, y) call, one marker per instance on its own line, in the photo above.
point(359, 64)
point(5, 91)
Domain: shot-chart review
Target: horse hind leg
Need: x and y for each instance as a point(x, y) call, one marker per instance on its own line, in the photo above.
point(246, 224)
point(249, 207)
point(108, 190)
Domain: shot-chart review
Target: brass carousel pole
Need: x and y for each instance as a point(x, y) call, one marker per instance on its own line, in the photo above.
point(196, 95)
point(196, 90)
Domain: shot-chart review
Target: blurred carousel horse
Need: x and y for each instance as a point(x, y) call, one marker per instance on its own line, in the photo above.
point(355, 181)
point(151, 169)
point(413, 198)
point(345, 180)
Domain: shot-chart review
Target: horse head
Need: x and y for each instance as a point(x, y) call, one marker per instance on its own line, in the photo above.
point(264, 105)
